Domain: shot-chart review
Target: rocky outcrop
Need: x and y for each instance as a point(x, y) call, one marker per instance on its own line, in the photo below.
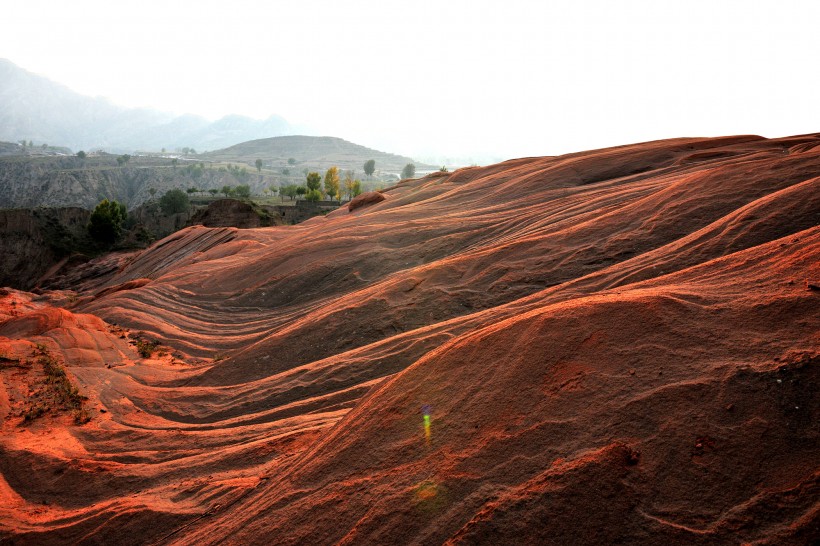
point(234, 213)
point(365, 199)
point(148, 221)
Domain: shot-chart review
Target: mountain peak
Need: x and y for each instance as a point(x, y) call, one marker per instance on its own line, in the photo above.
point(36, 108)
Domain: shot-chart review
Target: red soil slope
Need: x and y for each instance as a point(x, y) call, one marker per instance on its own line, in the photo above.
point(612, 346)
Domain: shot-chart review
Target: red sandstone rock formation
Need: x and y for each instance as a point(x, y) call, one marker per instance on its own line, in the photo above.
point(614, 346)
point(368, 198)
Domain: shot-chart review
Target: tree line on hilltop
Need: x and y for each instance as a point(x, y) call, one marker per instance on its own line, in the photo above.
point(106, 223)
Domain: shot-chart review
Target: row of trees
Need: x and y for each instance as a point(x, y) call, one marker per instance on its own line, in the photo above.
point(369, 166)
point(196, 171)
point(314, 189)
point(108, 217)
point(332, 187)
point(242, 191)
point(30, 144)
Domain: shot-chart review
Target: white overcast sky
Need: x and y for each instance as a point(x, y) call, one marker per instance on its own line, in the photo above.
point(436, 78)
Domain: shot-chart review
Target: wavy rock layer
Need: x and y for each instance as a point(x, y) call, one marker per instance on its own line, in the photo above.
point(612, 346)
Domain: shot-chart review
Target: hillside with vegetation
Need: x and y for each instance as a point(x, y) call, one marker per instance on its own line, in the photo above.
point(70, 181)
point(295, 153)
point(32, 176)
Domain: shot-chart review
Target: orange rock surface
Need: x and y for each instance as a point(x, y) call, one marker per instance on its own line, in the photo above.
point(614, 346)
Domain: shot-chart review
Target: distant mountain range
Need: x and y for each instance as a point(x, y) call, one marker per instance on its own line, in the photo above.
point(37, 109)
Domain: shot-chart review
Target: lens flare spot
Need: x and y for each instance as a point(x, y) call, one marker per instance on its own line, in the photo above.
point(425, 412)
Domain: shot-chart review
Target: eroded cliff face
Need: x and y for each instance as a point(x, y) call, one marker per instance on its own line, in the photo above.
point(42, 246)
point(50, 247)
point(30, 182)
point(613, 346)
point(68, 182)
point(33, 241)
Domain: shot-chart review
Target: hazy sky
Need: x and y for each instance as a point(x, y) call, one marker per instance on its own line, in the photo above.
point(468, 78)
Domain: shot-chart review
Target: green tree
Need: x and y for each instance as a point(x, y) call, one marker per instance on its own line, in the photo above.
point(369, 167)
point(174, 201)
point(81, 154)
point(313, 181)
point(409, 171)
point(332, 182)
point(357, 188)
point(227, 190)
point(286, 171)
point(259, 165)
point(213, 191)
point(291, 161)
point(243, 191)
point(152, 191)
point(302, 190)
point(313, 195)
point(191, 190)
point(288, 190)
point(174, 163)
point(347, 183)
point(105, 223)
point(443, 169)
